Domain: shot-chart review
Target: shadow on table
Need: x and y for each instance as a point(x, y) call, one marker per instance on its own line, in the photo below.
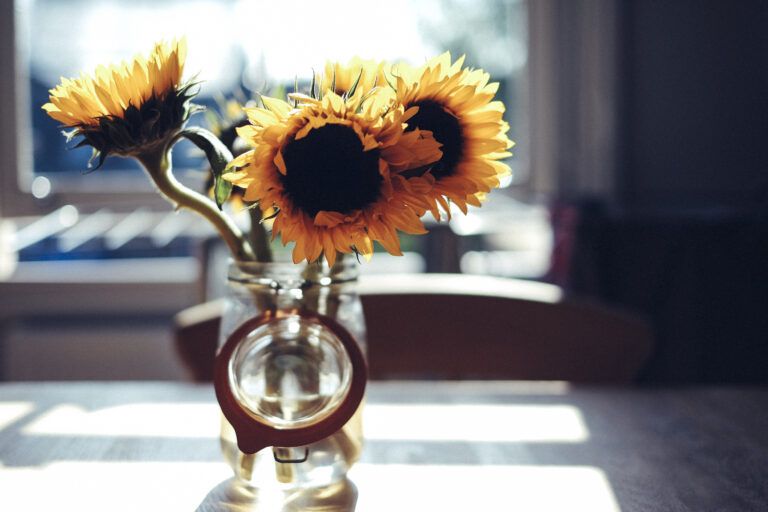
point(232, 496)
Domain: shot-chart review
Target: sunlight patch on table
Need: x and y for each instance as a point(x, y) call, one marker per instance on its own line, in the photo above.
point(13, 411)
point(476, 390)
point(489, 423)
point(463, 488)
point(427, 422)
point(189, 420)
point(131, 486)
point(110, 486)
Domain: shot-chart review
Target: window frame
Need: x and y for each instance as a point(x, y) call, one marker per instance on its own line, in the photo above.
point(16, 160)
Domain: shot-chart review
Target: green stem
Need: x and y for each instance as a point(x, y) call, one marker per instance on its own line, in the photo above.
point(158, 166)
point(259, 236)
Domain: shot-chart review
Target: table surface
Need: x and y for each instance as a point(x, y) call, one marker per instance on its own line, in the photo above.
point(463, 446)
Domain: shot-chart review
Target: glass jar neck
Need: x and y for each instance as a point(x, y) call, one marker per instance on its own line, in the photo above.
point(282, 275)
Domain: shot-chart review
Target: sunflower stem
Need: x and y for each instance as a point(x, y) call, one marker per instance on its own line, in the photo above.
point(258, 235)
point(312, 275)
point(158, 165)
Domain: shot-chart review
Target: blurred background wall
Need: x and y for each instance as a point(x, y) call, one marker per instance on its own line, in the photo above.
point(681, 233)
point(641, 178)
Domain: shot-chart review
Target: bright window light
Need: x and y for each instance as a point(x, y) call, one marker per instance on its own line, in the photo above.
point(236, 47)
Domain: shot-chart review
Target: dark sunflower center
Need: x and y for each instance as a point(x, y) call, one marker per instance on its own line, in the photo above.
point(328, 170)
point(447, 131)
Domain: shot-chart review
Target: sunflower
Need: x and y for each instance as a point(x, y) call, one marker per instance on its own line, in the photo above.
point(342, 77)
point(456, 105)
point(127, 108)
point(326, 165)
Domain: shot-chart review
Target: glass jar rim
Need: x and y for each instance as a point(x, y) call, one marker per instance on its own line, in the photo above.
point(282, 274)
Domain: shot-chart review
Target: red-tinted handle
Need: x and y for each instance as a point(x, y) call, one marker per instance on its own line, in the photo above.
point(254, 435)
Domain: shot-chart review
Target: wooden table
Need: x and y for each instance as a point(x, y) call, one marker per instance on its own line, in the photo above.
point(430, 446)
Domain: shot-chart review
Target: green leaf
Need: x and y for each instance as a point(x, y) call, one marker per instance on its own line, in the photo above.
point(218, 156)
point(71, 134)
point(277, 92)
point(313, 85)
point(357, 253)
point(389, 83)
point(353, 88)
point(95, 153)
point(270, 217)
point(364, 98)
point(260, 97)
point(222, 189)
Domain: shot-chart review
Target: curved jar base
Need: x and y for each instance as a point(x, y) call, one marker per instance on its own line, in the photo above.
point(327, 462)
point(233, 495)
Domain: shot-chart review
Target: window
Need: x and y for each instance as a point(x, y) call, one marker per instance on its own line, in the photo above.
point(237, 47)
point(245, 47)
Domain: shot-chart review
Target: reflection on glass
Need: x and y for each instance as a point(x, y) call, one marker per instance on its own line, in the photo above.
point(291, 372)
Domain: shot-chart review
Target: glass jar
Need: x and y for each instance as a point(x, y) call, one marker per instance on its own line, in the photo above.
point(290, 373)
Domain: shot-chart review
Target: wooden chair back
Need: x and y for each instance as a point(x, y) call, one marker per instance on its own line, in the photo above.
point(455, 326)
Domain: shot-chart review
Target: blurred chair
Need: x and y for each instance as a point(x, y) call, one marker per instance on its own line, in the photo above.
point(454, 326)
point(196, 335)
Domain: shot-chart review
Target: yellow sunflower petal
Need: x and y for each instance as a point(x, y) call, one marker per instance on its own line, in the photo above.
point(296, 168)
point(88, 102)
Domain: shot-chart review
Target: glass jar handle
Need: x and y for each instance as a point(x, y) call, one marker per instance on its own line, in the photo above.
point(254, 432)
